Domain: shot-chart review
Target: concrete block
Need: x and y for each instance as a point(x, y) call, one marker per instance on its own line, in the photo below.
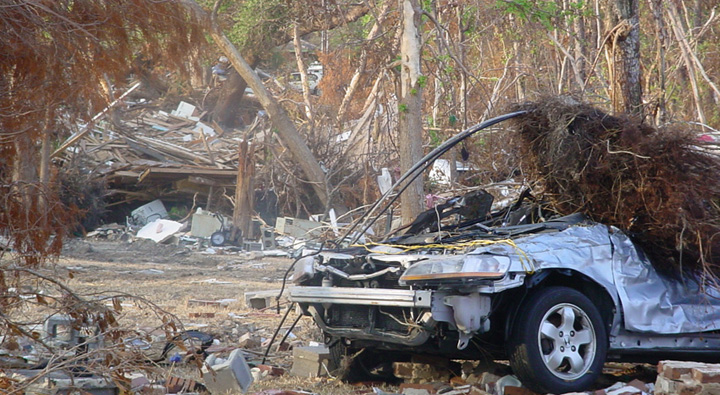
point(249, 341)
point(311, 361)
point(59, 330)
point(232, 375)
point(261, 299)
point(252, 246)
point(313, 353)
point(268, 238)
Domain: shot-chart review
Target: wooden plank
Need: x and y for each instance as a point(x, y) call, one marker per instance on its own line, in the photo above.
point(225, 173)
point(174, 150)
point(75, 138)
point(153, 153)
point(203, 181)
point(126, 173)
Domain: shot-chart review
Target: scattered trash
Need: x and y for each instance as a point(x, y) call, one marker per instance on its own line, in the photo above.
point(227, 375)
point(151, 272)
point(311, 362)
point(220, 302)
point(262, 299)
point(148, 213)
point(211, 281)
point(159, 230)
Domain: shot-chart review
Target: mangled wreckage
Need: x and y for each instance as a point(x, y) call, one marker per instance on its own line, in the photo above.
point(556, 295)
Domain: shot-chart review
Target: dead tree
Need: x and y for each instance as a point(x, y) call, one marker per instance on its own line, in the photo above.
point(624, 56)
point(411, 100)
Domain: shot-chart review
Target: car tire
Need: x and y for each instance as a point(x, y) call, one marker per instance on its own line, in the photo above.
point(558, 342)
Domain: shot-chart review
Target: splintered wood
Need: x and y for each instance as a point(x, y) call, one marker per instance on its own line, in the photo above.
point(148, 153)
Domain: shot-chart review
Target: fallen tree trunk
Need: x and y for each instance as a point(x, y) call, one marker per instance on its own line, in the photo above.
point(285, 127)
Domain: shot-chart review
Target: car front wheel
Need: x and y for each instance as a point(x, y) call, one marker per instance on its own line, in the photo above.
point(558, 342)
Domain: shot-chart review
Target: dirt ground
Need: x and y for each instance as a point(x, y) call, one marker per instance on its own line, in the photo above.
point(178, 279)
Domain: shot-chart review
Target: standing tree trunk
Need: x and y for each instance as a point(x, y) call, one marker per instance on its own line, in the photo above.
point(410, 105)
point(661, 44)
point(624, 48)
point(244, 190)
point(303, 74)
point(362, 62)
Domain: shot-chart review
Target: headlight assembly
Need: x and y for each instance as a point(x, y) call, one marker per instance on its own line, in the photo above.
point(463, 267)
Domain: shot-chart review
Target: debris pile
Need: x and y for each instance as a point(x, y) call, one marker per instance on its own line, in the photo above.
point(659, 185)
point(177, 152)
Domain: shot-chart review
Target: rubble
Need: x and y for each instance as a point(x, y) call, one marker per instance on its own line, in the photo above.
point(159, 230)
point(262, 299)
point(415, 372)
point(175, 152)
point(231, 375)
point(677, 377)
point(420, 376)
point(311, 361)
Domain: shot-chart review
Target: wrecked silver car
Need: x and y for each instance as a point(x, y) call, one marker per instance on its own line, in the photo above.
point(556, 296)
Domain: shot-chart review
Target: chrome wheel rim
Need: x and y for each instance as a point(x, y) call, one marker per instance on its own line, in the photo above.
point(567, 341)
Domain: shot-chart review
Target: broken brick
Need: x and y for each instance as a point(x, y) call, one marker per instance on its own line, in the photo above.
point(510, 390)
point(639, 385)
point(272, 370)
point(706, 374)
point(176, 384)
point(419, 372)
point(202, 315)
point(674, 370)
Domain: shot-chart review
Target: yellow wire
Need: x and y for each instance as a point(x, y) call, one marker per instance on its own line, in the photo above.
point(524, 259)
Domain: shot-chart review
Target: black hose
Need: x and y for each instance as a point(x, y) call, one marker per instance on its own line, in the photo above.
point(267, 350)
point(291, 328)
